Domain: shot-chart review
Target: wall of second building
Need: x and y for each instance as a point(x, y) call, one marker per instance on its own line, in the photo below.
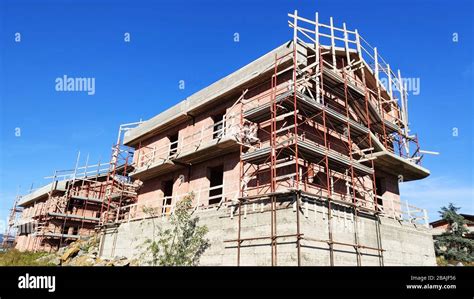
point(24, 242)
point(33, 243)
point(27, 241)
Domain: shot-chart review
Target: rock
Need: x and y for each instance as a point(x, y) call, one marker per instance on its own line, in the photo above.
point(134, 262)
point(83, 252)
point(46, 259)
point(120, 258)
point(74, 244)
point(43, 259)
point(100, 263)
point(50, 259)
point(70, 252)
point(61, 251)
point(460, 264)
point(93, 249)
point(55, 261)
point(82, 261)
point(121, 263)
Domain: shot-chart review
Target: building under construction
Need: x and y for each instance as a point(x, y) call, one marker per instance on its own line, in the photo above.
point(74, 204)
point(294, 159)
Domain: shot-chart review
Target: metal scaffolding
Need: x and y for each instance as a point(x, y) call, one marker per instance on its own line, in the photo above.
point(91, 197)
point(316, 126)
point(120, 191)
point(74, 206)
point(11, 228)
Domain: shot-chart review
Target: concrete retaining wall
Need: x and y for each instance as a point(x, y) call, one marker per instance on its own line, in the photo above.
point(403, 244)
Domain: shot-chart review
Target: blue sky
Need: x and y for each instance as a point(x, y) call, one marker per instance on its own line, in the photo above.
point(194, 41)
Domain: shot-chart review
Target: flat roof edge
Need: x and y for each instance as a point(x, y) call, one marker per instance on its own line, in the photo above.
point(42, 191)
point(416, 172)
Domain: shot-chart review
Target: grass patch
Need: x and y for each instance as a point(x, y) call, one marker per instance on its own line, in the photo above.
point(14, 257)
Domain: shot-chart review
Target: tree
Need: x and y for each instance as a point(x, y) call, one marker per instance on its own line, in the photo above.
point(182, 244)
point(452, 245)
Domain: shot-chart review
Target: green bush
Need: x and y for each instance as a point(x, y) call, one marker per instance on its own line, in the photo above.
point(180, 245)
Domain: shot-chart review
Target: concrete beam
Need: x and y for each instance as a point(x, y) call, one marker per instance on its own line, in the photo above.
point(42, 192)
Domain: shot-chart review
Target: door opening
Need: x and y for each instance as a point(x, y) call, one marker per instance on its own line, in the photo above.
point(216, 178)
point(167, 196)
point(173, 145)
point(218, 126)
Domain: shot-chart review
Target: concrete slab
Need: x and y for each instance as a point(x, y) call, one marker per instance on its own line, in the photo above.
point(42, 192)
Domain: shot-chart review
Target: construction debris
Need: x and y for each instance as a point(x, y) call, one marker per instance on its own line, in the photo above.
point(83, 253)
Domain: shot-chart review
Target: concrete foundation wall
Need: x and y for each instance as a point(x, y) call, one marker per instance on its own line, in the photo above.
point(403, 244)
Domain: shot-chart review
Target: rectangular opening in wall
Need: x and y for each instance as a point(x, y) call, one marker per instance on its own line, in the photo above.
point(216, 178)
point(218, 125)
point(380, 189)
point(22, 230)
point(167, 188)
point(173, 144)
point(78, 203)
point(65, 230)
point(70, 206)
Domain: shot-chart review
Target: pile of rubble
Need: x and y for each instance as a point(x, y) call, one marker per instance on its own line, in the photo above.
point(83, 253)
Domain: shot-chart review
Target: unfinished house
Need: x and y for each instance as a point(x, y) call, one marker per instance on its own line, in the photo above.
point(294, 159)
point(73, 205)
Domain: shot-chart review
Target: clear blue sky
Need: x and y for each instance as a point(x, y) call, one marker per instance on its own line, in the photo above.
point(194, 41)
